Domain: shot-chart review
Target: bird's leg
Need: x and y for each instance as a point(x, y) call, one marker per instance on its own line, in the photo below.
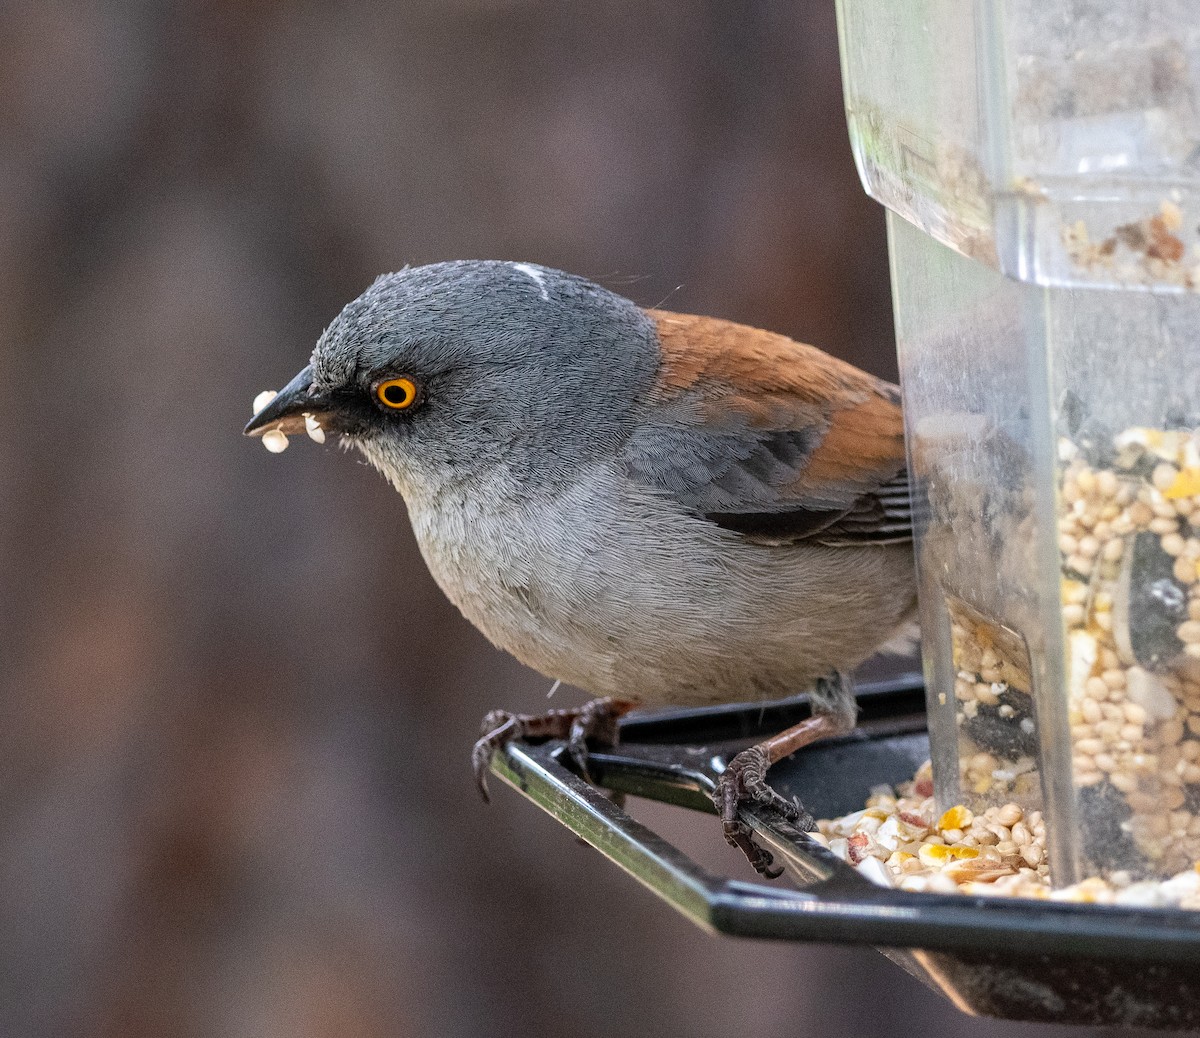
point(595, 720)
point(744, 779)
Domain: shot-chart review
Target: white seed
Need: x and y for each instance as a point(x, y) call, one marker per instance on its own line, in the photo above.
point(940, 883)
point(1144, 893)
point(1125, 783)
point(313, 428)
point(1001, 831)
point(986, 694)
point(1114, 549)
point(876, 871)
point(1113, 678)
point(1009, 814)
point(1163, 476)
point(264, 398)
point(1106, 483)
point(1149, 692)
point(275, 441)
point(1173, 544)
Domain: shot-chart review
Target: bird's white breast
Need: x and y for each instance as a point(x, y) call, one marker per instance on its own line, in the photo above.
point(617, 590)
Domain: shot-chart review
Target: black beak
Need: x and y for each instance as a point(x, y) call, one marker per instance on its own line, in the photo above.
point(286, 412)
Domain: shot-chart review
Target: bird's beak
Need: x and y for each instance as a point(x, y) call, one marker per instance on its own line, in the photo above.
point(287, 410)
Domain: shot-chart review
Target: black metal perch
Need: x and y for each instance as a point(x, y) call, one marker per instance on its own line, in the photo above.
point(1050, 962)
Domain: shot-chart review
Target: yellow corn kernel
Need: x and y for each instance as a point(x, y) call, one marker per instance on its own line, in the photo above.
point(1185, 484)
point(957, 817)
point(937, 854)
point(1073, 592)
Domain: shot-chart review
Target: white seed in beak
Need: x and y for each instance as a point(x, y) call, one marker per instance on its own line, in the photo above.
point(264, 398)
point(275, 441)
point(313, 428)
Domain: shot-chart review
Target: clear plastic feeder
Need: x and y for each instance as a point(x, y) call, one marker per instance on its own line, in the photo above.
point(1040, 162)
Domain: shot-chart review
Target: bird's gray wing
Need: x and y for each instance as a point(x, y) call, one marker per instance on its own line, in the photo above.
point(770, 438)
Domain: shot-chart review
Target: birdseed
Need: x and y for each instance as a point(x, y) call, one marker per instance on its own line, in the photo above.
point(1146, 251)
point(275, 440)
point(314, 430)
point(1130, 594)
point(898, 840)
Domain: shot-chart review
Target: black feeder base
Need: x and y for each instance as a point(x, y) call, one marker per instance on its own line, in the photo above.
point(1015, 959)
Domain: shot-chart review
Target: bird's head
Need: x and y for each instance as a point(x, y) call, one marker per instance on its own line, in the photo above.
point(451, 371)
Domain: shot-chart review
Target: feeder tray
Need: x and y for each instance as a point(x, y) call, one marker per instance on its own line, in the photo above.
point(1052, 962)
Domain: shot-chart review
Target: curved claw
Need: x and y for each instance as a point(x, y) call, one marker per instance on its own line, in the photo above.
point(738, 836)
point(577, 747)
point(498, 727)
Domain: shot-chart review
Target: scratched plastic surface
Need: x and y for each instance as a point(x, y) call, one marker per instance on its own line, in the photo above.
point(1041, 166)
point(1028, 133)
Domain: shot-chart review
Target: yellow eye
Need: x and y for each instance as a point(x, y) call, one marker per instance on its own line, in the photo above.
point(397, 393)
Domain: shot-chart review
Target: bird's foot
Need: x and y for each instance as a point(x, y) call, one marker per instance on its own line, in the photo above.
point(744, 782)
point(596, 720)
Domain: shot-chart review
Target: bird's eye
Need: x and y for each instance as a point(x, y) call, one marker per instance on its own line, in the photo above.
point(397, 393)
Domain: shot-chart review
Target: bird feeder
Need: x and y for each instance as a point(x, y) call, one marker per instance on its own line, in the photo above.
point(1039, 161)
point(1040, 165)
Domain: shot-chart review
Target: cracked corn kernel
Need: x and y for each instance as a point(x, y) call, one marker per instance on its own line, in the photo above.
point(1185, 484)
point(946, 868)
point(314, 430)
point(275, 441)
point(958, 817)
point(935, 854)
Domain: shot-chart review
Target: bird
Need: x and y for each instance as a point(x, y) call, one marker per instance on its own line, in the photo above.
point(661, 509)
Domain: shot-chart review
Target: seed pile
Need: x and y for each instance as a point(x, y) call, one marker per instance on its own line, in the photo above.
point(1131, 608)
point(898, 840)
point(997, 733)
point(1129, 549)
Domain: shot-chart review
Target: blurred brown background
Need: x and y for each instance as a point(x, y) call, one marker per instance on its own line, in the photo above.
point(235, 798)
